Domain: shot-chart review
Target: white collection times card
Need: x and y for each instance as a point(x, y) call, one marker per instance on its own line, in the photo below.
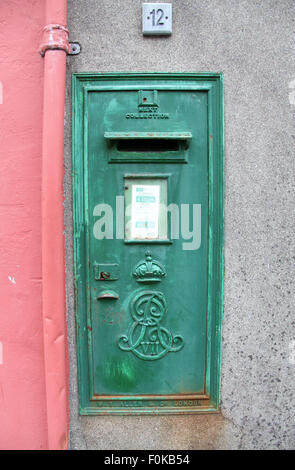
point(145, 211)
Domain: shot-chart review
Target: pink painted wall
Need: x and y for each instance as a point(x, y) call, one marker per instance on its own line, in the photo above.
point(22, 386)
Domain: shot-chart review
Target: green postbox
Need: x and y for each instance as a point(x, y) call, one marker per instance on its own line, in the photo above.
point(148, 241)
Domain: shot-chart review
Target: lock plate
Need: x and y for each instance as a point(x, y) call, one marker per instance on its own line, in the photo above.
point(106, 271)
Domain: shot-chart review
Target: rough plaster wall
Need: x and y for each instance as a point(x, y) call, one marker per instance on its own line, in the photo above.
point(252, 43)
point(22, 384)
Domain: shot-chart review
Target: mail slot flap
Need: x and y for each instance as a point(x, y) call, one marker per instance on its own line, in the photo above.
point(148, 135)
point(170, 144)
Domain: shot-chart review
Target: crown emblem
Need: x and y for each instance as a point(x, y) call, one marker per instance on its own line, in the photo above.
point(149, 270)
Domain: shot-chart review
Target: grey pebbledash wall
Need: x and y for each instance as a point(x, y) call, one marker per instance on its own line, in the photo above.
point(252, 43)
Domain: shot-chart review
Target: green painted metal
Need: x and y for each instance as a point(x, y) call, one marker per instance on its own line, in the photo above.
point(148, 312)
point(148, 135)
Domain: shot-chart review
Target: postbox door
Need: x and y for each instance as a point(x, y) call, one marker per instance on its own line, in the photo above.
point(146, 213)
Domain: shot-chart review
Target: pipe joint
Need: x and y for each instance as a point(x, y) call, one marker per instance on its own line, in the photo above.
point(55, 37)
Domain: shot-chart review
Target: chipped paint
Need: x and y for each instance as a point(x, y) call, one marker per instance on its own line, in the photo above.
point(12, 280)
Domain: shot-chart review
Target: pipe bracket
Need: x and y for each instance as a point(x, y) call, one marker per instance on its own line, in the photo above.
point(56, 37)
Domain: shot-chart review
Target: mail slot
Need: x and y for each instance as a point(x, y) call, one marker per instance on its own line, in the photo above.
point(147, 146)
point(148, 241)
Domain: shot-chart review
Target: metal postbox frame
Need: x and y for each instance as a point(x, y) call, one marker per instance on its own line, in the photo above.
point(212, 83)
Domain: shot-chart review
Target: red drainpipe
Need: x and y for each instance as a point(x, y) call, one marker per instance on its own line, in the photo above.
point(54, 48)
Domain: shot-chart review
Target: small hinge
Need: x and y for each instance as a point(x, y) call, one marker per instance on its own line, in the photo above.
point(55, 37)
